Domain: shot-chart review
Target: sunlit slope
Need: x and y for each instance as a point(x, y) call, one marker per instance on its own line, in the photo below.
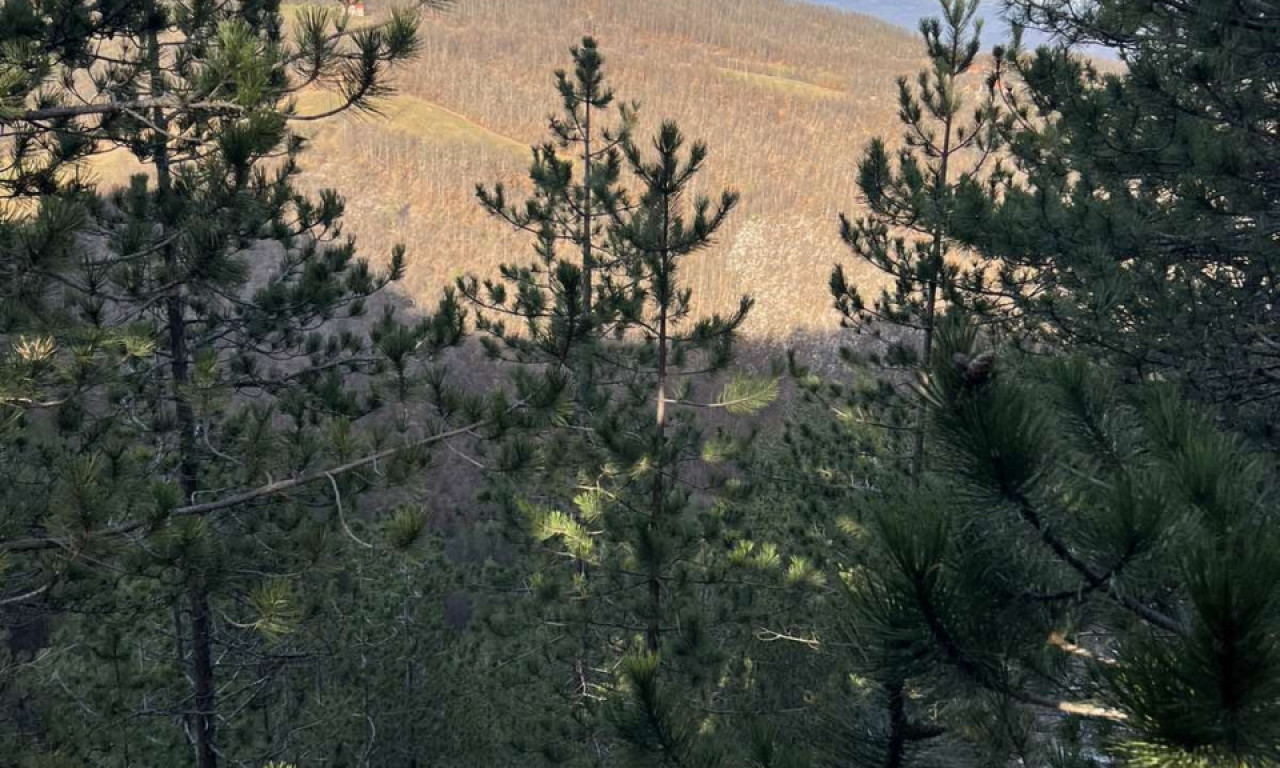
point(786, 94)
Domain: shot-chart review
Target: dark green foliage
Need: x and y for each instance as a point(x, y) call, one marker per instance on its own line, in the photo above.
point(576, 196)
point(1120, 542)
point(1137, 216)
point(1005, 537)
point(622, 497)
point(177, 346)
point(654, 730)
point(1079, 513)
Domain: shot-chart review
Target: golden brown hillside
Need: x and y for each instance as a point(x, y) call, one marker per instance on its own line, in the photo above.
point(785, 94)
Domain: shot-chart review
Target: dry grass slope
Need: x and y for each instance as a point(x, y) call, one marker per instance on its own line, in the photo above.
point(785, 84)
point(786, 94)
point(405, 115)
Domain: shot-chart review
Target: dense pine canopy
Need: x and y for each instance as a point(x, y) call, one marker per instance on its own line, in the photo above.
point(1027, 517)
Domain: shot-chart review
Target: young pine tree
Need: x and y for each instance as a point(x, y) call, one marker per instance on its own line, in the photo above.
point(576, 194)
point(671, 540)
point(904, 234)
point(602, 490)
point(544, 317)
point(879, 430)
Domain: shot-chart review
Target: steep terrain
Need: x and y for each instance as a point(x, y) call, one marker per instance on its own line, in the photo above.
point(786, 94)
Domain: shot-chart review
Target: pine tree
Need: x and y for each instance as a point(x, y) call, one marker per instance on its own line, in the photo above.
point(660, 236)
point(905, 236)
point(544, 317)
point(905, 233)
point(1137, 216)
point(1119, 541)
point(670, 542)
point(600, 489)
point(576, 194)
point(224, 284)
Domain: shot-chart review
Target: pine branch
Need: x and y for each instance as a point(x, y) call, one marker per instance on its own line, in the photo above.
point(1096, 580)
point(108, 108)
point(956, 656)
point(25, 596)
point(270, 489)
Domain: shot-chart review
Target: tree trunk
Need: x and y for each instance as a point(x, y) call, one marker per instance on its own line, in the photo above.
point(929, 321)
point(897, 725)
point(588, 259)
point(659, 489)
point(898, 722)
point(586, 367)
point(202, 720)
point(926, 352)
point(202, 675)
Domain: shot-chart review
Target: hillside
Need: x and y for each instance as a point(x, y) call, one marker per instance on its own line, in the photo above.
point(785, 94)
